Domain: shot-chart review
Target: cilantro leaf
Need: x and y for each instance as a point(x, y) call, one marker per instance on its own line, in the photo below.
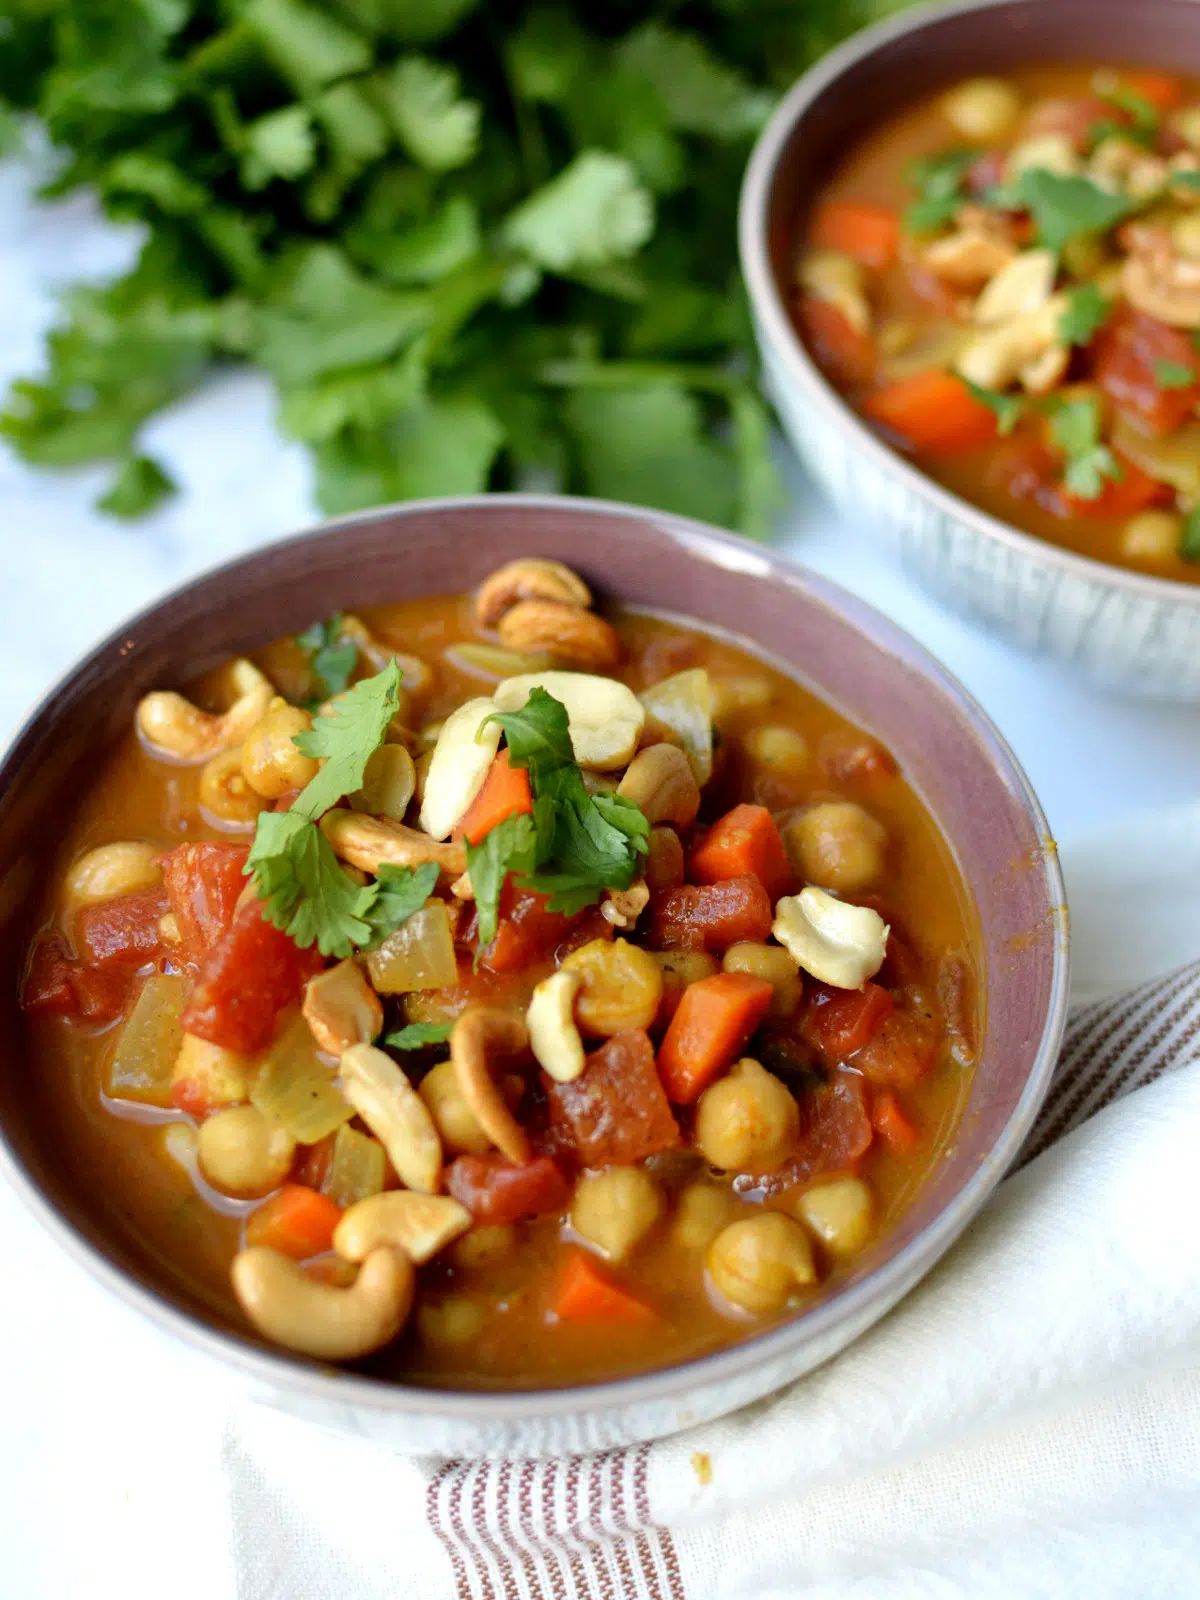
point(307, 44)
point(1075, 429)
point(1189, 544)
point(438, 128)
point(1174, 375)
point(700, 93)
point(1085, 314)
point(303, 888)
point(333, 659)
point(1066, 208)
point(399, 892)
point(138, 487)
point(506, 847)
point(1007, 408)
point(416, 1035)
point(939, 181)
point(1186, 179)
point(346, 739)
point(594, 211)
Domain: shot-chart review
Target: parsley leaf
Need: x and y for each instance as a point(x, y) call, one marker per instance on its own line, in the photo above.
point(1174, 375)
point(1085, 314)
point(1189, 544)
point(1066, 208)
point(509, 845)
point(333, 659)
point(303, 887)
point(1075, 429)
point(346, 739)
point(939, 181)
point(415, 1035)
point(1008, 408)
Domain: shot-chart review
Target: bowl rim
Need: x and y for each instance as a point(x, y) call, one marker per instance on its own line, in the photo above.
point(778, 331)
point(282, 1371)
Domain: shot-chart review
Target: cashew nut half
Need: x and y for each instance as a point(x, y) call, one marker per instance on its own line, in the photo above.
point(530, 578)
point(373, 842)
point(341, 1008)
point(838, 943)
point(171, 725)
point(465, 749)
point(316, 1319)
point(395, 1114)
point(480, 1032)
point(661, 782)
point(604, 718)
point(418, 1224)
point(550, 1018)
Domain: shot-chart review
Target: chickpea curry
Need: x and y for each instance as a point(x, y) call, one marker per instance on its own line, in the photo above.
point(490, 992)
point(1005, 282)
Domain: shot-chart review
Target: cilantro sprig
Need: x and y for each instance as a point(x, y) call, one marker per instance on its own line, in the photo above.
point(1189, 544)
point(1174, 375)
point(939, 181)
point(1089, 463)
point(1008, 409)
point(1063, 208)
point(575, 845)
point(416, 1035)
point(332, 659)
point(1085, 313)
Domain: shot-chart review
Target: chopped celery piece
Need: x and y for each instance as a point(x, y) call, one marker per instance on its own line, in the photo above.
point(148, 1044)
point(494, 661)
point(357, 1167)
point(681, 709)
point(295, 1087)
point(419, 955)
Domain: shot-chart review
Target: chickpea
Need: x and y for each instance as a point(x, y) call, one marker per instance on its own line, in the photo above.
point(780, 750)
point(113, 869)
point(455, 1121)
point(484, 1245)
point(757, 1263)
point(243, 1153)
point(224, 793)
point(772, 962)
point(615, 1209)
point(663, 864)
point(836, 845)
point(982, 109)
point(701, 1211)
point(457, 1319)
point(1152, 536)
point(271, 763)
point(621, 986)
point(746, 1121)
point(731, 695)
point(841, 1214)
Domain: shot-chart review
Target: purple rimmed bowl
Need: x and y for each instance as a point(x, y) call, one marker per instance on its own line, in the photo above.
point(863, 664)
point(1129, 631)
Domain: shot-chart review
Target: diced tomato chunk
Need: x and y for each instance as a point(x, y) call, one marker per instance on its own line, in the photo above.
point(616, 1111)
point(710, 916)
point(901, 1051)
point(204, 882)
point(526, 930)
point(100, 995)
point(849, 759)
point(838, 1022)
point(122, 932)
point(245, 981)
point(47, 989)
point(1163, 91)
point(844, 353)
point(1128, 359)
point(496, 1190)
point(743, 843)
point(835, 1130)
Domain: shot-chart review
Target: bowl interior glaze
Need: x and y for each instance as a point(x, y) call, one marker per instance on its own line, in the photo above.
point(853, 657)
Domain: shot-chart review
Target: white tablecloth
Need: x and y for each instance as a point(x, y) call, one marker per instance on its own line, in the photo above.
point(76, 1441)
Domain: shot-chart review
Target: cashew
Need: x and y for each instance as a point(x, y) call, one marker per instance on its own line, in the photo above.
point(983, 109)
point(465, 750)
point(1160, 280)
point(415, 676)
point(837, 943)
point(418, 1224)
point(1023, 285)
point(173, 726)
point(1043, 152)
point(225, 797)
point(1122, 167)
point(341, 1008)
point(553, 1036)
point(604, 717)
point(479, 1033)
point(622, 907)
point(372, 842)
point(530, 578)
point(660, 780)
point(395, 1114)
point(1043, 373)
point(294, 1310)
point(562, 631)
point(839, 281)
point(997, 356)
point(109, 870)
point(977, 250)
point(388, 783)
point(1152, 536)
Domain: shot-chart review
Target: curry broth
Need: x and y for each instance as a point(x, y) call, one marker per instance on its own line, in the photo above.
point(192, 1233)
point(874, 171)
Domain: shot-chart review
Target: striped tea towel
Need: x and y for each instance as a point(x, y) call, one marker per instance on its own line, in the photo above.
point(1025, 1423)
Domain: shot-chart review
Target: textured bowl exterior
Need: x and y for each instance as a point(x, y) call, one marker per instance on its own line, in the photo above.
point(857, 659)
point(1130, 632)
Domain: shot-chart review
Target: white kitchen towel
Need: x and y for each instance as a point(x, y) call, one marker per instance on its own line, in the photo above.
point(1025, 1423)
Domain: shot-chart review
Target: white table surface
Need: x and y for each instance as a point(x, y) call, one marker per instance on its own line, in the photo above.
point(88, 1394)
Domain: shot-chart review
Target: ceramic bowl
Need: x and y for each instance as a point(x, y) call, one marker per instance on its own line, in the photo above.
point(1131, 632)
point(855, 658)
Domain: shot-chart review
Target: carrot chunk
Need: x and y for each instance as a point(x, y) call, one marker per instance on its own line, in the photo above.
point(1163, 91)
point(871, 234)
point(505, 793)
point(840, 1021)
point(844, 353)
point(297, 1221)
point(893, 1124)
point(743, 843)
point(710, 916)
point(585, 1293)
point(715, 1018)
point(934, 413)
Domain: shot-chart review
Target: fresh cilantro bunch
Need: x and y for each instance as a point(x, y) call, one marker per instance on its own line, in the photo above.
point(471, 244)
point(575, 845)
